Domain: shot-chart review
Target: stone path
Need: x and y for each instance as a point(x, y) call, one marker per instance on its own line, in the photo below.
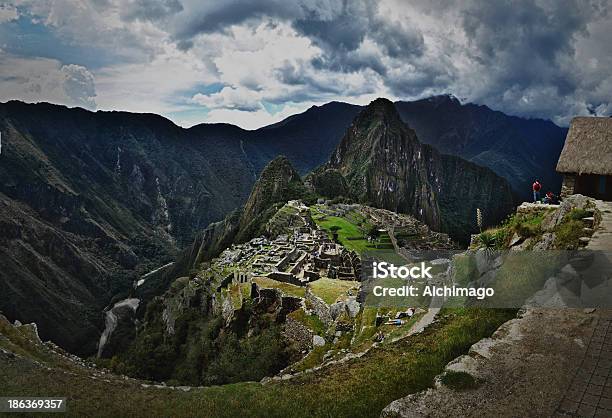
point(590, 393)
point(524, 370)
point(602, 238)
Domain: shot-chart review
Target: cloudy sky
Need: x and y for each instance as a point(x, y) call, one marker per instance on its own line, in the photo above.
point(255, 62)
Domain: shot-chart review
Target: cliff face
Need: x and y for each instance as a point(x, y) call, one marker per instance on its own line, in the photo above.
point(386, 166)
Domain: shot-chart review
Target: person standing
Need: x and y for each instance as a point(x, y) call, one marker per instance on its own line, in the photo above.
point(536, 191)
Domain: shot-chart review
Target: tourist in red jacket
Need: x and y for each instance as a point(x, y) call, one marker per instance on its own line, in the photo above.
point(536, 190)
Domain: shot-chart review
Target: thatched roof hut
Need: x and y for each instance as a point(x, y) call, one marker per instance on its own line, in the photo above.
point(588, 147)
point(586, 159)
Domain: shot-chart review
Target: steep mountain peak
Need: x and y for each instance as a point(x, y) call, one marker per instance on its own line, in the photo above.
point(380, 108)
point(278, 183)
point(377, 129)
point(386, 166)
point(279, 168)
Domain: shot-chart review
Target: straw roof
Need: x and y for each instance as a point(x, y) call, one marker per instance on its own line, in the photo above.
point(588, 147)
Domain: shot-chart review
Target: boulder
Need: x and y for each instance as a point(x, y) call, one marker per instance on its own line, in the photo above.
point(516, 239)
point(336, 310)
point(352, 306)
point(576, 201)
point(318, 341)
point(546, 242)
point(523, 245)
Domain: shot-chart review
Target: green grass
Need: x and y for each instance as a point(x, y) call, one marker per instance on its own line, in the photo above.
point(351, 233)
point(570, 230)
point(313, 359)
point(331, 289)
point(365, 328)
point(392, 332)
point(311, 321)
point(286, 288)
point(358, 388)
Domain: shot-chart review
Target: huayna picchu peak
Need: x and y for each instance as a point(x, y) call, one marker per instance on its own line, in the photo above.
point(385, 165)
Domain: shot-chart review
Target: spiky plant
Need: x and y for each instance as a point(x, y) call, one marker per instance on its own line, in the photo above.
point(488, 242)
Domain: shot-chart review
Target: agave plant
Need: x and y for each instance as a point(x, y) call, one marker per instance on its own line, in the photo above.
point(486, 240)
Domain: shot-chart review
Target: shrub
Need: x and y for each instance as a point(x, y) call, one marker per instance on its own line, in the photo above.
point(524, 225)
point(501, 236)
point(577, 214)
point(568, 234)
point(570, 230)
point(486, 240)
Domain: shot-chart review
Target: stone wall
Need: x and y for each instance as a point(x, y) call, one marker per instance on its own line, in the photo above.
point(528, 208)
point(298, 333)
point(280, 276)
point(568, 185)
point(319, 307)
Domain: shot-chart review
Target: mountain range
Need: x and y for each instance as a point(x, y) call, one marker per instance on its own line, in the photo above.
point(91, 201)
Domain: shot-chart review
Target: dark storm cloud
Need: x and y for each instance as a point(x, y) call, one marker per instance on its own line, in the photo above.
point(337, 26)
point(210, 17)
point(510, 36)
point(541, 58)
point(517, 55)
point(341, 37)
point(528, 46)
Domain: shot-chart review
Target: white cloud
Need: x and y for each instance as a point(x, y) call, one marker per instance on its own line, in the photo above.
point(256, 118)
point(79, 85)
point(153, 86)
point(42, 79)
point(8, 13)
